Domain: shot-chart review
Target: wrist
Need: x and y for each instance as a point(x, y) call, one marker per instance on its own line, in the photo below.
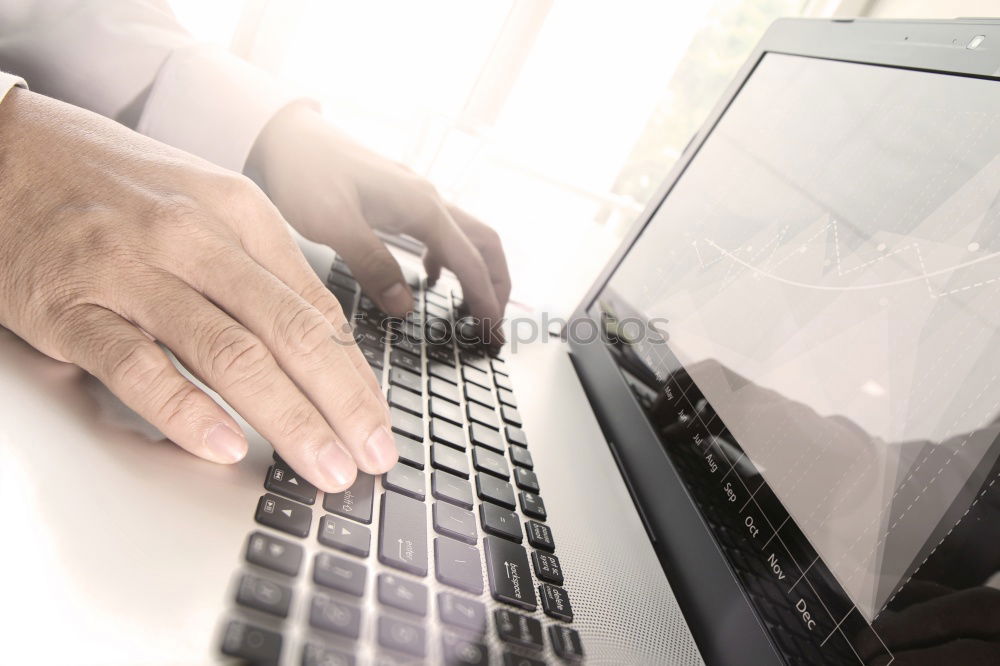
point(275, 139)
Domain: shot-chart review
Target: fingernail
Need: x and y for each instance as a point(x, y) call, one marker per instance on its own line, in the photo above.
point(381, 450)
point(336, 465)
point(225, 443)
point(397, 299)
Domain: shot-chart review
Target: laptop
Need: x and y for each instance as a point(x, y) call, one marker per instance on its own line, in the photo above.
point(767, 436)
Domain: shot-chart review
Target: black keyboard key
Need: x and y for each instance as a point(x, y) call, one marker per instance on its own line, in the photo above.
point(411, 402)
point(407, 424)
point(461, 652)
point(454, 522)
point(283, 480)
point(409, 451)
point(499, 366)
point(450, 460)
point(518, 629)
point(492, 489)
point(342, 280)
point(547, 567)
point(500, 521)
point(405, 379)
point(450, 488)
point(264, 595)
point(555, 602)
point(479, 394)
point(508, 573)
point(511, 659)
point(399, 359)
point(331, 615)
point(410, 345)
point(526, 479)
point(403, 594)
point(442, 389)
point(442, 371)
point(447, 433)
point(446, 410)
point(484, 415)
point(314, 654)
point(521, 457)
point(339, 573)
point(566, 642)
point(532, 505)
point(503, 382)
point(345, 535)
point(488, 461)
point(366, 336)
point(402, 541)
point(404, 479)
point(516, 436)
point(273, 553)
point(511, 416)
point(506, 397)
point(345, 298)
point(402, 636)
point(356, 501)
point(457, 564)
point(483, 436)
point(476, 376)
point(284, 515)
point(373, 356)
point(462, 612)
point(439, 353)
point(539, 535)
point(476, 359)
point(250, 644)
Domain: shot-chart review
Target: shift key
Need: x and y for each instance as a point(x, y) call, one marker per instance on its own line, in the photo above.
point(402, 534)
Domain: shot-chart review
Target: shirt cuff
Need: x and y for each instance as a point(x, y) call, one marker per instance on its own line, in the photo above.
point(213, 104)
point(8, 81)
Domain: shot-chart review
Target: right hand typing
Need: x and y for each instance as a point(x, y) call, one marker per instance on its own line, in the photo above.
point(110, 240)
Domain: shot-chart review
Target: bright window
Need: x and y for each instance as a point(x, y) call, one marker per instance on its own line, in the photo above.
point(552, 120)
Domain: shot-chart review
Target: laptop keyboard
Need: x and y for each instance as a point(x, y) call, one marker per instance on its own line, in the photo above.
point(460, 443)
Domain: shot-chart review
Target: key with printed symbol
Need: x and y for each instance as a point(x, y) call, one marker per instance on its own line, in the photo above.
point(331, 615)
point(264, 595)
point(273, 553)
point(400, 359)
point(346, 536)
point(457, 564)
point(462, 612)
point(461, 652)
point(454, 522)
point(518, 629)
point(500, 521)
point(402, 636)
point(251, 644)
point(547, 567)
point(521, 457)
point(402, 594)
point(283, 514)
point(494, 490)
point(356, 501)
point(338, 573)
point(555, 602)
point(451, 488)
point(539, 535)
point(283, 480)
point(407, 480)
point(566, 642)
point(488, 461)
point(403, 533)
point(449, 460)
point(508, 573)
point(526, 479)
point(532, 505)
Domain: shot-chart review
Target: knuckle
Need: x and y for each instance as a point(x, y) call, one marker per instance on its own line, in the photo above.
point(181, 404)
point(316, 293)
point(294, 423)
point(302, 330)
point(235, 355)
point(355, 403)
point(134, 365)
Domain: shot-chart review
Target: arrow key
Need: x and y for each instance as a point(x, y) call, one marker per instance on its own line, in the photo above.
point(283, 480)
point(344, 535)
point(283, 514)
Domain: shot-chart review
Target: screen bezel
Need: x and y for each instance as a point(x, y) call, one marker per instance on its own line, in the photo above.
point(722, 620)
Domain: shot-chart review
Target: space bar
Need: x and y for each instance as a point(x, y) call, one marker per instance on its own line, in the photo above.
point(402, 533)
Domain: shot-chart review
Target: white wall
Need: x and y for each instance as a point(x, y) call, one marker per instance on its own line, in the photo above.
point(932, 8)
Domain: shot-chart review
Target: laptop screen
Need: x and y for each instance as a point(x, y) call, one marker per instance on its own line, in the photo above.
point(811, 321)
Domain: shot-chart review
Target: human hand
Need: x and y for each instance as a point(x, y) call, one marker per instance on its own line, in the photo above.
point(336, 192)
point(109, 240)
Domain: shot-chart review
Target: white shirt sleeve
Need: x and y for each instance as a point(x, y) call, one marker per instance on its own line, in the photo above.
point(8, 81)
point(104, 55)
